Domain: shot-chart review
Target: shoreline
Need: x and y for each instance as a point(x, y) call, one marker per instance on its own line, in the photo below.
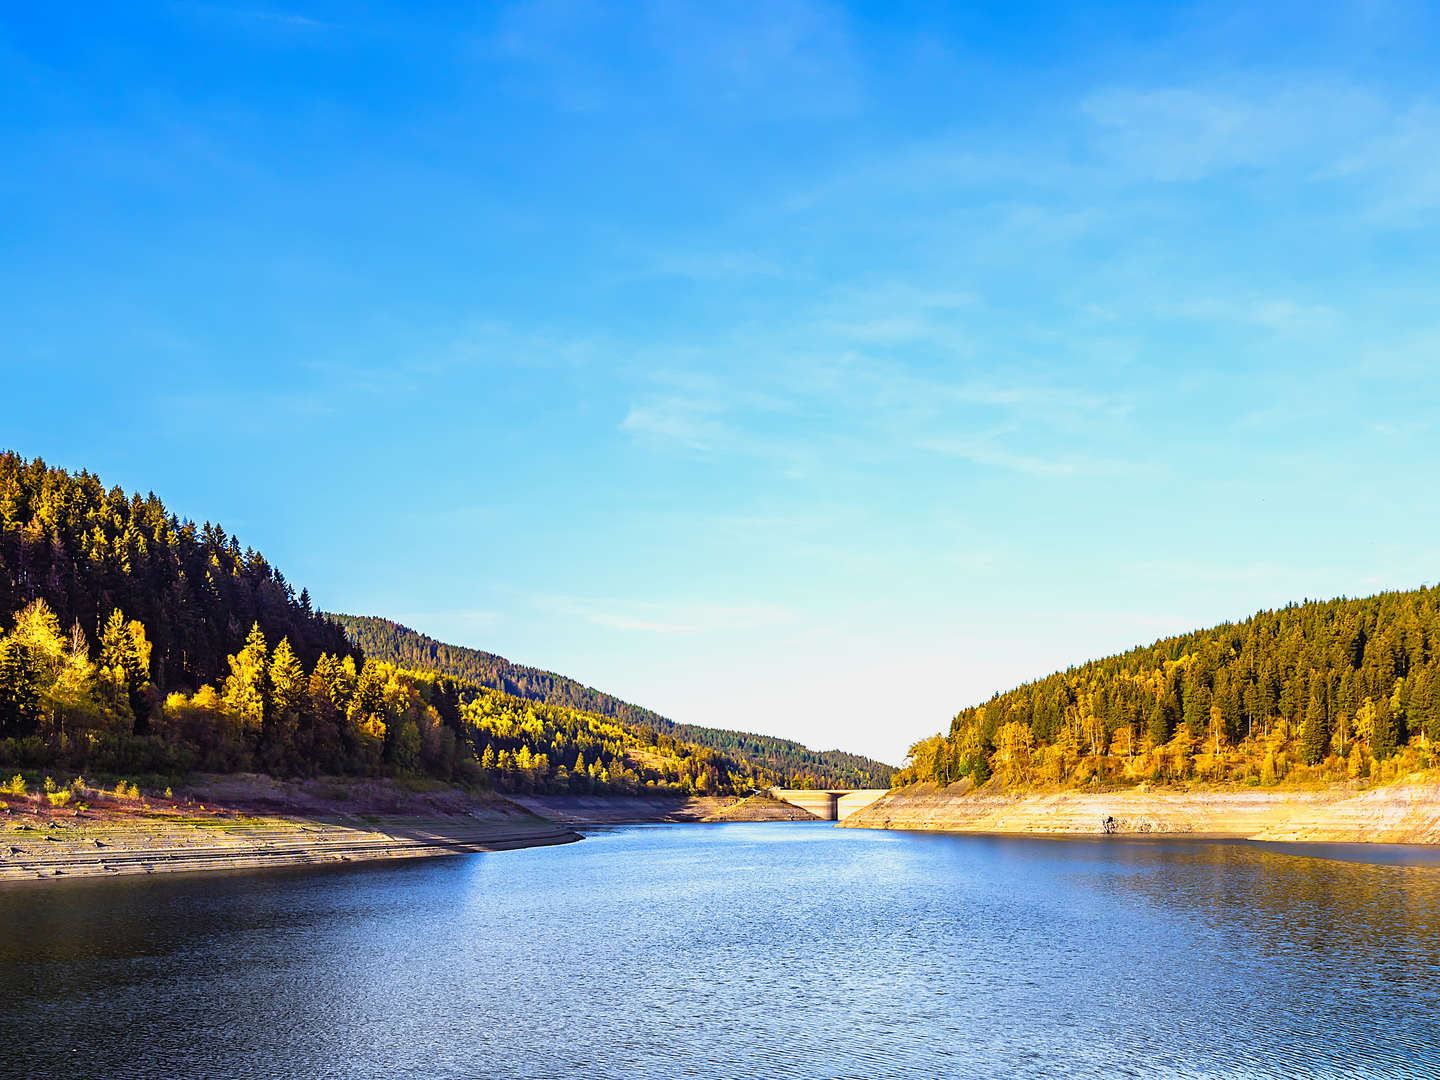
point(247, 821)
point(581, 810)
point(1398, 813)
point(260, 843)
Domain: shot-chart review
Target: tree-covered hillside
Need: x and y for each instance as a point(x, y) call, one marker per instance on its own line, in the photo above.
point(58, 707)
point(1315, 692)
point(87, 552)
point(790, 762)
point(132, 641)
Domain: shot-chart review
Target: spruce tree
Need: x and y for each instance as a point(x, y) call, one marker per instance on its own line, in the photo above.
point(1161, 725)
point(19, 690)
point(1314, 732)
point(1382, 735)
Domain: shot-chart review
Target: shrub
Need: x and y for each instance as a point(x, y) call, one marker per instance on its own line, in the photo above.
point(16, 786)
point(30, 752)
point(60, 798)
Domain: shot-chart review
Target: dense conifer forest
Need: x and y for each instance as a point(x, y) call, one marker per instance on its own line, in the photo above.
point(790, 762)
point(87, 551)
point(135, 642)
point(1322, 691)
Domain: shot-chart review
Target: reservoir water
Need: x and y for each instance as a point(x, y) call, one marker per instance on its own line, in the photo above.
point(777, 950)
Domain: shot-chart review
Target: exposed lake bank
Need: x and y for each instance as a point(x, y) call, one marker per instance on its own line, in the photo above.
point(246, 822)
point(250, 821)
point(646, 809)
point(1407, 812)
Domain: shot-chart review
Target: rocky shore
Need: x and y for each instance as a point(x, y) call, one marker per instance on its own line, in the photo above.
point(1407, 812)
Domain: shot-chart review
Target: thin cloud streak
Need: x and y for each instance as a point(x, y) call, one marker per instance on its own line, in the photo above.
point(678, 618)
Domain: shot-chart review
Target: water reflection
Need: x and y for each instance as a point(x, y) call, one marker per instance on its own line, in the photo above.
point(734, 951)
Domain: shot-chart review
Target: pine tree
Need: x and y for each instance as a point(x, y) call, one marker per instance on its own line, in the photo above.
point(1314, 732)
point(1161, 725)
point(1197, 709)
point(1382, 734)
point(19, 690)
point(1427, 707)
point(118, 665)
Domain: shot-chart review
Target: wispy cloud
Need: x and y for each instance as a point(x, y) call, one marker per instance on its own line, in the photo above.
point(989, 451)
point(259, 15)
point(691, 422)
point(1399, 166)
point(1277, 313)
point(681, 617)
point(832, 411)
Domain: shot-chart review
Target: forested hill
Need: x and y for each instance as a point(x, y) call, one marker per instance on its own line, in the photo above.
point(392, 642)
point(1323, 691)
point(88, 552)
point(135, 642)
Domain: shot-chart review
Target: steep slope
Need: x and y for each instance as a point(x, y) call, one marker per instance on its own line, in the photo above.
point(792, 763)
point(87, 551)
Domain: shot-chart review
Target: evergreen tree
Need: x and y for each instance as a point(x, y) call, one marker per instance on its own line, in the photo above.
point(1161, 723)
point(1383, 734)
point(1197, 709)
point(1315, 731)
point(19, 690)
point(125, 669)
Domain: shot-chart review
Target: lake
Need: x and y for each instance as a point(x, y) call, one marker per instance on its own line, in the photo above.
point(779, 950)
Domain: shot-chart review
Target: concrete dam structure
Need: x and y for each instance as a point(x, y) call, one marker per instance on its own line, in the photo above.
point(831, 804)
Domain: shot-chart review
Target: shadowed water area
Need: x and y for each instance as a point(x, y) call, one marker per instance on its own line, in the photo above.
point(785, 950)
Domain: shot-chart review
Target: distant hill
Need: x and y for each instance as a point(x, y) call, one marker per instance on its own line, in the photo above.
point(1317, 692)
point(389, 641)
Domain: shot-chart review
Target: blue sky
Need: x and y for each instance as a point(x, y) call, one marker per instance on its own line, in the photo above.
point(807, 368)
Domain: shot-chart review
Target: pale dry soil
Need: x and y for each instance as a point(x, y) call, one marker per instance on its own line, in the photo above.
point(635, 809)
point(1404, 812)
point(246, 821)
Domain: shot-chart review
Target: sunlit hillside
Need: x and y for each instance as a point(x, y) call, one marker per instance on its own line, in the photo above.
point(1321, 691)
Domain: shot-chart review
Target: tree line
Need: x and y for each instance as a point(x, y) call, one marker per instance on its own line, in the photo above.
point(59, 704)
point(1320, 691)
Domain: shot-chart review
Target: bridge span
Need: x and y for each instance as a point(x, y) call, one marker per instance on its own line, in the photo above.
point(830, 804)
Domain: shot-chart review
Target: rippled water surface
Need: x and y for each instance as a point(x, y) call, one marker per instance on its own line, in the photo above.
point(775, 950)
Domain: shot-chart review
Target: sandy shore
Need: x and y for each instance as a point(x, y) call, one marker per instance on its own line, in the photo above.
point(1401, 813)
point(247, 822)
